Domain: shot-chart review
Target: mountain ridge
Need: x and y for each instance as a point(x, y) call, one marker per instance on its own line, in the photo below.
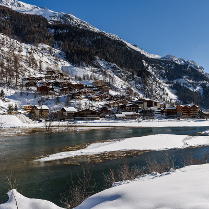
point(152, 76)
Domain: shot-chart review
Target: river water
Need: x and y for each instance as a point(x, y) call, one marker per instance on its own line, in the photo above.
point(52, 181)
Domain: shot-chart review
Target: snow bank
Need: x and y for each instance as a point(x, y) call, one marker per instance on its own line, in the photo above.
point(10, 121)
point(152, 142)
point(145, 123)
point(16, 200)
point(186, 188)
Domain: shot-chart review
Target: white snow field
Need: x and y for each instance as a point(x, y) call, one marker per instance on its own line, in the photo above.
point(16, 200)
point(151, 142)
point(186, 188)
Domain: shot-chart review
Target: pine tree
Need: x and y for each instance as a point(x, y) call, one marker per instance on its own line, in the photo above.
point(10, 109)
point(2, 94)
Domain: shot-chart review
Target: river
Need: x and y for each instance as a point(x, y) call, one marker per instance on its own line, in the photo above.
point(53, 181)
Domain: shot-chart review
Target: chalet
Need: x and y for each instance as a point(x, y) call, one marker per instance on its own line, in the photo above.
point(147, 103)
point(87, 115)
point(188, 111)
point(30, 84)
point(77, 95)
point(151, 103)
point(104, 111)
point(67, 113)
point(27, 108)
point(194, 111)
point(130, 107)
point(31, 81)
point(44, 90)
point(99, 83)
point(50, 73)
point(104, 88)
point(141, 104)
point(170, 112)
point(40, 112)
point(147, 114)
point(77, 86)
point(60, 75)
point(64, 90)
point(204, 114)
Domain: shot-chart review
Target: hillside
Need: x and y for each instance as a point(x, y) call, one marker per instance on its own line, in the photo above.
point(34, 40)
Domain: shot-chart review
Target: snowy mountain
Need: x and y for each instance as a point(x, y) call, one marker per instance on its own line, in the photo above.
point(46, 13)
point(45, 39)
point(53, 16)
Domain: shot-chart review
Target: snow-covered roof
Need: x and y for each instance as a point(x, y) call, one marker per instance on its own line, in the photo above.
point(70, 109)
point(129, 113)
point(42, 107)
point(123, 114)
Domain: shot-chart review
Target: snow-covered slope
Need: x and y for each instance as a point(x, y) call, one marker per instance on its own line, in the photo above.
point(53, 16)
point(186, 188)
point(16, 200)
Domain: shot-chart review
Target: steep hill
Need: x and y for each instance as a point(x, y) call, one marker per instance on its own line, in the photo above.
point(80, 49)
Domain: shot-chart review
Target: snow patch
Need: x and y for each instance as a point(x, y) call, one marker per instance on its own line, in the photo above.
point(152, 142)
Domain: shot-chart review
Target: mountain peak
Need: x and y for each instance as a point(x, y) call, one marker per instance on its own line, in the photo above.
point(15, 4)
point(50, 15)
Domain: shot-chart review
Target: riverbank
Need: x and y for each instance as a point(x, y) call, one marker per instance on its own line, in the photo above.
point(143, 123)
point(17, 125)
point(19, 131)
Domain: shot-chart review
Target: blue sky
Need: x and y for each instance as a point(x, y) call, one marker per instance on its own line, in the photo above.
point(176, 27)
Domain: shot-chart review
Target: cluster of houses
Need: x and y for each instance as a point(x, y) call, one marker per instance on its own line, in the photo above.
point(183, 111)
point(58, 83)
point(142, 108)
point(114, 106)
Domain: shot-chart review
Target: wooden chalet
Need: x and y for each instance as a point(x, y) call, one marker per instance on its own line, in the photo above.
point(130, 107)
point(39, 112)
point(170, 112)
point(44, 90)
point(87, 115)
point(147, 114)
point(99, 83)
point(31, 84)
point(188, 111)
point(67, 113)
point(27, 108)
point(105, 111)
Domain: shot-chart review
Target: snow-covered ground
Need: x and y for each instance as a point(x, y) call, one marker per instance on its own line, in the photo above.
point(21, 121)
point(16, 121)
point(151, 142)
point(145, 123)
point(16, 200)
point(186, 188)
